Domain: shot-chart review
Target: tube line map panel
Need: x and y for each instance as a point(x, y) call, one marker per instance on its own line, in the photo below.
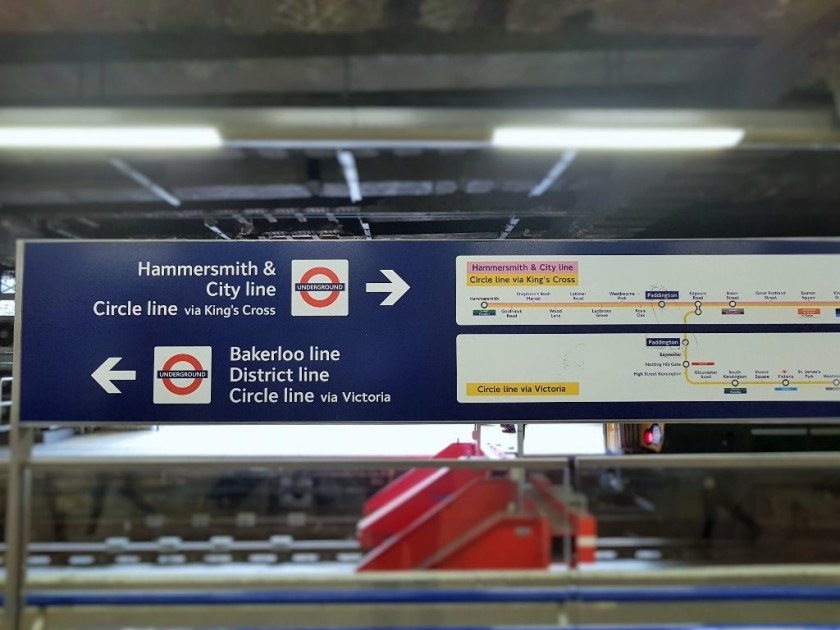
point(436, 331)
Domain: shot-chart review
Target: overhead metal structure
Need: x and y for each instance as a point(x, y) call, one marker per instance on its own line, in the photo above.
point(415, 90)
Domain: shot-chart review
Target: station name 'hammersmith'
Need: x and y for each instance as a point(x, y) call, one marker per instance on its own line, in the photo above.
point(145, 268)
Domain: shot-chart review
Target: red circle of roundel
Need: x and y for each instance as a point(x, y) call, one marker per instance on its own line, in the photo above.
point(323, 302)
point(172, 362)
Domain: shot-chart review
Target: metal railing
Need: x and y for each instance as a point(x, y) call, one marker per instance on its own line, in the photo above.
point(5, 383)
point(421, 597)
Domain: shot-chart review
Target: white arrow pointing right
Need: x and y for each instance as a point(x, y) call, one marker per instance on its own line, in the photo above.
point(106, 373)
point(397, 287)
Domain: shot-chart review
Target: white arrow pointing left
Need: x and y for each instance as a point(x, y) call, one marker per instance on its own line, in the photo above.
point(106, 373)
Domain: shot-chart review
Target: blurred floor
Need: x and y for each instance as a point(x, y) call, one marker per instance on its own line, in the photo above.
point(329, 440)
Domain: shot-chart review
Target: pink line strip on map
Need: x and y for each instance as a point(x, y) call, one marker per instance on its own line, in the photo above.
point(522, 266)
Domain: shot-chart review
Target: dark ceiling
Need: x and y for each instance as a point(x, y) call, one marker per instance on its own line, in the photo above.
point(474, 54)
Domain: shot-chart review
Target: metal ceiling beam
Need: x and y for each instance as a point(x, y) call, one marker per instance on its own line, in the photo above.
point(351, 174)
point(793, 217)
point(766, 73)
point(777, 63)
point(58, 228)
point(194, 179)
point(353, 128)
point(354, 74)
point(213, 226)
point(93, 47)
point(554, 173)
point(623, 181)
point(760, 79)
point(146, 182)
point(510, 227)
point(443, 208)
point(668, 96)
point(88, 222)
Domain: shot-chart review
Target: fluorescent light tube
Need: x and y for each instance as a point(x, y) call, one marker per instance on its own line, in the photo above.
point(96, 137)
point(618, 138)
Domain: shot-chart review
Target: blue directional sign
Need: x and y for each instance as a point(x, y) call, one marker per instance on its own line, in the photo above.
point(368, 331)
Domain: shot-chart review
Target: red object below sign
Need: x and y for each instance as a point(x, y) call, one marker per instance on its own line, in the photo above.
point(472, 529)
point(456, 518)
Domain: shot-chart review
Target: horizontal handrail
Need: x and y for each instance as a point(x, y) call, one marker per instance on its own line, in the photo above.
point(811, 459)
point(87, 460)
point(763, 626)
point(437, 596)
point(49, 458)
